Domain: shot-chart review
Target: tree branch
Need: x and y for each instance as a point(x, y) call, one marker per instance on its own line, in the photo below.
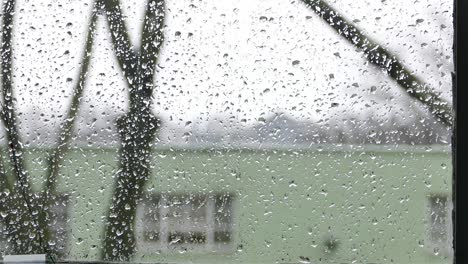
point(137, 130)
point(152, 39)
point(55, 158)
point(124, 52)
point(385, 60)
point(23, 223)
point(69, 122)
point(4, 184)
point(8, 110)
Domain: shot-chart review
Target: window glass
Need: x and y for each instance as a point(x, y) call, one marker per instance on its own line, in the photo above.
point(236, 131)
point(440, 227)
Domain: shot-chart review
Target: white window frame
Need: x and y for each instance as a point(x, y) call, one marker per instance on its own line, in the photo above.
point(62, 197)
point(443, 248)
point(162, 244)
point(3, 243)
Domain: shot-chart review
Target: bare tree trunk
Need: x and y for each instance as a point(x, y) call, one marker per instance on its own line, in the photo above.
point(22, 233)
point(66, 128)
point(5, 185)
point(137, 128)
point(26, 215)
point(57, 155)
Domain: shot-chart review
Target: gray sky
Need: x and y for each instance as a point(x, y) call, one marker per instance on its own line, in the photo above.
point(221, 58)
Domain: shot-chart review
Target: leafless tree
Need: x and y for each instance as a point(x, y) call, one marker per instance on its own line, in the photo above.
point(137, 127)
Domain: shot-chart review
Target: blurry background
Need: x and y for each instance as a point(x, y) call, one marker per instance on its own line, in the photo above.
point(279, 141)
point(228, 68)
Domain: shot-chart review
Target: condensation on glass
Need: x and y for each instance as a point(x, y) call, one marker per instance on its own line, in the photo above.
point(245, 131)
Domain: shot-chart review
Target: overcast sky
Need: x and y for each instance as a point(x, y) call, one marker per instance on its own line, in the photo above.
point(234, 59)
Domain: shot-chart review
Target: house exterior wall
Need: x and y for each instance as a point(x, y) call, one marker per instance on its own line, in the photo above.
point(329, 204)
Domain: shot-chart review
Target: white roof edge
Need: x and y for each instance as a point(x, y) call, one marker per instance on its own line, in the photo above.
point(318, 148)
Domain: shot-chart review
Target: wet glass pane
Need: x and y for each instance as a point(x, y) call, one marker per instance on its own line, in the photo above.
point(233, 131)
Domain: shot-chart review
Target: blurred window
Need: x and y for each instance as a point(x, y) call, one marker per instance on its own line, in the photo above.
point(185, 221)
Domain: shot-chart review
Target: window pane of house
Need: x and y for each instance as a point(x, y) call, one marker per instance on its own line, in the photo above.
point(234, 131)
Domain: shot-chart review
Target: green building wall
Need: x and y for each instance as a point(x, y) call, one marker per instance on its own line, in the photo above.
point(371, 201)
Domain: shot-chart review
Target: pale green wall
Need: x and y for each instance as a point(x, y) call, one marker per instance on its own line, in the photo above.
point(287, 202)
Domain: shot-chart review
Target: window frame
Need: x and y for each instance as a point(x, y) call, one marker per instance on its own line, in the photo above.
point(162, 245)
point(442, 247)
point(460, 168)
